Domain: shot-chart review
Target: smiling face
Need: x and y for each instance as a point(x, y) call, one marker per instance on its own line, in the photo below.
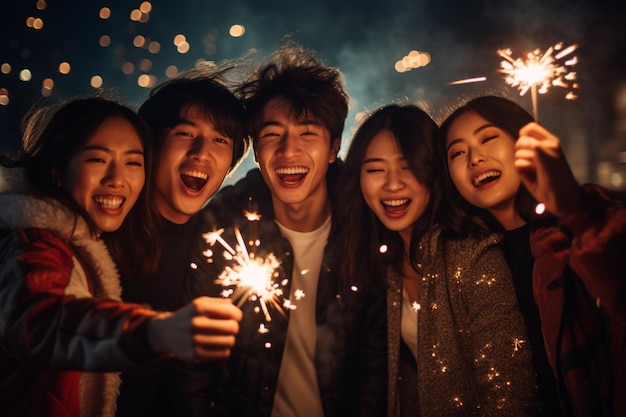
point(191, 165)
point(481, 164)
point(293, 155)
point(106, 176)
point(390, 188)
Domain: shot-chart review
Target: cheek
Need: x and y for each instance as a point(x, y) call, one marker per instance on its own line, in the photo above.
point(367, 191)
point(456, 175)
point(138, 180)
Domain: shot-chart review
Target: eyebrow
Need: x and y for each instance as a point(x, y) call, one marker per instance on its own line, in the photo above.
point(105, 149)
point(305, 122)
point(181, 121)
point(379, 159)
point(475, 132)
point(373, 159)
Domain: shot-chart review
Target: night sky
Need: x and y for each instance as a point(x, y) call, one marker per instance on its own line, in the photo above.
point(364, 39)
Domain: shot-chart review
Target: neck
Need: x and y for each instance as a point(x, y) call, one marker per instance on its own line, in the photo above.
point(302, 217)
point(509, 218)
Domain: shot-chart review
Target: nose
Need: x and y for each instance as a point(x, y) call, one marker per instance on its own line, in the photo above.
point(200, 149)
point(114, 177)
point(289, 145)
point(476, 157)
point(394, 180)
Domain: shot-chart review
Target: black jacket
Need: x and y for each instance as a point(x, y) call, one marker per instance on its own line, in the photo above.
point(351, 330)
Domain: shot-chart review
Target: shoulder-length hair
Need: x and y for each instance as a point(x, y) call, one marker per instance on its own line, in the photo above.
point(360, 233)
point(51, 138)
point(508, 116)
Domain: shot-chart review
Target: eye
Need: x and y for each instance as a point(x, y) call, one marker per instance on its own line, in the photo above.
point(94, 160)
point(268, 134)
point(223, 140)
point(183, 133)
point(455, 154)
point(489, 138)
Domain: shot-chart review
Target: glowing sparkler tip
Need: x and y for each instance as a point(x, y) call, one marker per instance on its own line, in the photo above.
point(538, 72)
point(540, 208)
point(252, 216)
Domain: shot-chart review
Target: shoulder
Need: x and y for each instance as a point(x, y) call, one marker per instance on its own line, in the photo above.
point(250, 194)
point(39, 249)
point(466, 250)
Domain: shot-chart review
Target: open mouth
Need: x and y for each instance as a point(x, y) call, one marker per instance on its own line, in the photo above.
point(109, 202)
point(486, 177)
point(194, 180)
point(396, 206)
point(292, 175)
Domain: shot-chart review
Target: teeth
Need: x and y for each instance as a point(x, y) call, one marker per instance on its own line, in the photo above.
point(196, 174)
point(395, 203)
point(292, 170)
point(109, 203)
point(489, 174)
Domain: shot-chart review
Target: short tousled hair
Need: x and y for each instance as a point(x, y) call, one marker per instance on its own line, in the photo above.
point(296, 77)
point(206, 90)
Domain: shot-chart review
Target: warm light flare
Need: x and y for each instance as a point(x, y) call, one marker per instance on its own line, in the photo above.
point(539, 71)
point(250, 278)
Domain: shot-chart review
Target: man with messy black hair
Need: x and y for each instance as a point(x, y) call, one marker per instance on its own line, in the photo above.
point(327, 356)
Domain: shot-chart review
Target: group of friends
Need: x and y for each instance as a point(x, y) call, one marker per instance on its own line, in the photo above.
point(424, 278)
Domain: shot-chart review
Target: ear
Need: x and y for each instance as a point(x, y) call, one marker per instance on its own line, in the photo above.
point(334, 150)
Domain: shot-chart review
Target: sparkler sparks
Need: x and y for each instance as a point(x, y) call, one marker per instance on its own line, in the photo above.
point(538, 72)
point(517, 345)
point(250, 277)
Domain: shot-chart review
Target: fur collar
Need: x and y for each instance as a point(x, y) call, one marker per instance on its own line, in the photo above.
point(20, 209)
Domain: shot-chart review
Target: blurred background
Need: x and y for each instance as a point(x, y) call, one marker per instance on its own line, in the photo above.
point(433, 53)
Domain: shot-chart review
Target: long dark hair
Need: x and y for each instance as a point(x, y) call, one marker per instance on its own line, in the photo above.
point(51, 138)
point(510, 117)
point(358, 230)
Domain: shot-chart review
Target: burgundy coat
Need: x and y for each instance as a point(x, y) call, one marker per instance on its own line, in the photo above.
point(579, 282)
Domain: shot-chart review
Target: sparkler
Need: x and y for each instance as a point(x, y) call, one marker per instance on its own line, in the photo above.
point(250, 277)
point(538, 72)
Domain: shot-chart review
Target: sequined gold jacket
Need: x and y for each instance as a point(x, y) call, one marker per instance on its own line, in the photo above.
point(472, 355)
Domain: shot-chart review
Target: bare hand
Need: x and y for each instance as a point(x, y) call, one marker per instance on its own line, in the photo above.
point(544, 170)
point(204, 329)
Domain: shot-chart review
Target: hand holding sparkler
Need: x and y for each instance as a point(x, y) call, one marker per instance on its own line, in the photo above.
point(545, 172)
point(204, 329)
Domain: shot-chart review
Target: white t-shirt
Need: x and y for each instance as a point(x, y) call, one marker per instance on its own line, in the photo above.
point(297, 393)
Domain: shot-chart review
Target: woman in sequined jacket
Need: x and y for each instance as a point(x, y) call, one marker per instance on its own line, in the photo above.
point(456, 339)
point(568, 262)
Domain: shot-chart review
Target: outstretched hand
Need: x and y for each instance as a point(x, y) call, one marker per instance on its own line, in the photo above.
point(544, 170)
point(204, 329)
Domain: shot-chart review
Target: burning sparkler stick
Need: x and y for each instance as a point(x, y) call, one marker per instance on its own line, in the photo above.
point(250, 277)
point(538, 72)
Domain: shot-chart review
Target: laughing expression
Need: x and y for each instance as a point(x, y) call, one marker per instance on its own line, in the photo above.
point(481, 159)
point(106, 176)
point(390, 188)
point(191, 165)
point(293, 155)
